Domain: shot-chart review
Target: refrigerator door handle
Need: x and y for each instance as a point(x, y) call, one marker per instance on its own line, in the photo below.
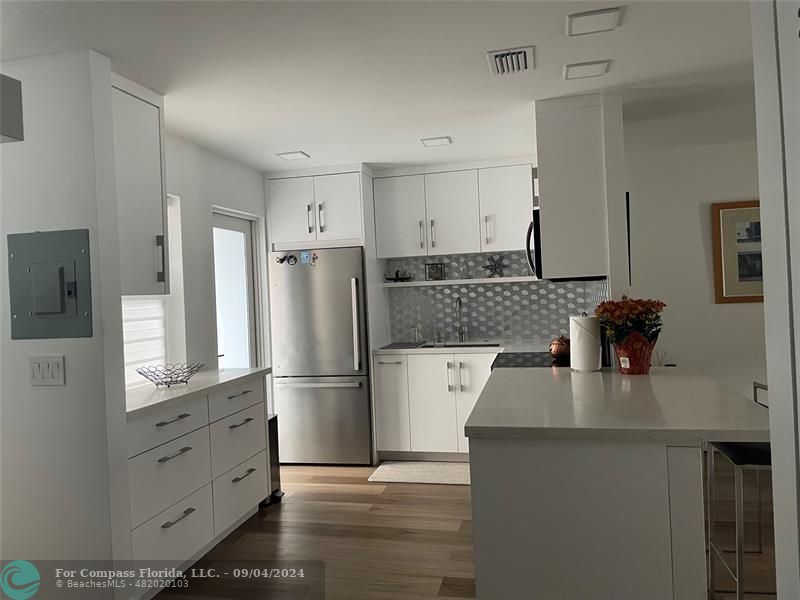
point(356, 336)
point(338, 384)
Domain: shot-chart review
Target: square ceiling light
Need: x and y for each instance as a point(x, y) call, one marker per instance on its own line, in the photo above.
point(594, 68)
point(444, 140)
point(594, 21)
point(294, 155)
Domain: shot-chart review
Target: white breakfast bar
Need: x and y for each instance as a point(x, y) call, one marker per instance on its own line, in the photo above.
point(588, 486)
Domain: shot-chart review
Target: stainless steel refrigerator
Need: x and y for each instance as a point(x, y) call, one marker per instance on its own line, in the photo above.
point(319, 355)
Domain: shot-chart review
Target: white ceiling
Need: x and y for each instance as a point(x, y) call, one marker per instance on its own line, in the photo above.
point(363, 81)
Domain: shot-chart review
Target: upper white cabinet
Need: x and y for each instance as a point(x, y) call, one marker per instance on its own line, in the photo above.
point(453, 212)
point(451, 201)
point(291, 210)
point(141, 191)
point(400, 221)
point(324, 208)
point(506, 205)
point(581, 174)
point(338, 203)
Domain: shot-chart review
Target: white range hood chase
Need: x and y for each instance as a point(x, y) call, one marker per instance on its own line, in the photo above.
point(10, 110)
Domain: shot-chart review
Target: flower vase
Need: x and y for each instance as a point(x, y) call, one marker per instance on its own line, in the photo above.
point(634, 353)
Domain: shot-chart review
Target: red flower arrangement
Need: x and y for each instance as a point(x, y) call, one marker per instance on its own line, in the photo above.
point(632, 327)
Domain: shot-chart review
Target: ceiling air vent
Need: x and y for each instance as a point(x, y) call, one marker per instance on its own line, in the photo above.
point(511, 60)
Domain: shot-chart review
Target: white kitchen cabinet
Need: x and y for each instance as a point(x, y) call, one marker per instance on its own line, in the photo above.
point(337, 200)
point(451, 203)
point(432, 403)
point(292, 217)
point(506, 205)
point(141, 191)
point(392, 427)
point(400, 222)
point(581, 175)
point(325, 208)
point(473, 372)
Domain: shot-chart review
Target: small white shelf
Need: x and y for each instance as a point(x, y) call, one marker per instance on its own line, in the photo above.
point(398, 284)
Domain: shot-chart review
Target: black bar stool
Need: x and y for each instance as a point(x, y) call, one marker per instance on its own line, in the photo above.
point(744, 456)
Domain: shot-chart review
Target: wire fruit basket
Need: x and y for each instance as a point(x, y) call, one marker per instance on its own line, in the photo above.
point(170, 374)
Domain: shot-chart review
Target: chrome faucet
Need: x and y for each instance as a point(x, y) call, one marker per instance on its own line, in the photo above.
point(460, 330)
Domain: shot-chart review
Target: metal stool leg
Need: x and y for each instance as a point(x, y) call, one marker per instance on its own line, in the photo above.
point(739, 533)
point(760, 515)
point(710, 511)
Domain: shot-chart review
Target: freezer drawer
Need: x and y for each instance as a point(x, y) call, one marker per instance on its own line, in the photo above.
point(323, 419)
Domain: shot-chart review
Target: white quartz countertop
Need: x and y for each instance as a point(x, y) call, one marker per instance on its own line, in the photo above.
point(668, 405)
point(475, 347)
point(148, 398)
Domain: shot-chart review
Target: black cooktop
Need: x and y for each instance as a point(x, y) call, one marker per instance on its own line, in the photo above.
point(511, 360)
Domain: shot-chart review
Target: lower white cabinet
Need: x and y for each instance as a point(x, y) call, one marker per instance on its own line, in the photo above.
point(236, 438)
point(432, 403)
point(422, 401)
point(177, 533)
point(239, 490)
point(167, 473)
point(392, 427)
point(473, 373)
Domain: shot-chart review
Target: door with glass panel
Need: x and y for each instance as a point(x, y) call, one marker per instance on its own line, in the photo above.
point(235, 292)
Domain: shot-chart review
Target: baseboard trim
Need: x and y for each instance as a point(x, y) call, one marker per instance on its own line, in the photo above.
point(425, 456)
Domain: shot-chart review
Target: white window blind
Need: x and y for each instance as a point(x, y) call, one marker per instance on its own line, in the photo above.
point(143, 334)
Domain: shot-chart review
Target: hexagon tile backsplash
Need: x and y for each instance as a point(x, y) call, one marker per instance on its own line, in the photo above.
point(523, 310)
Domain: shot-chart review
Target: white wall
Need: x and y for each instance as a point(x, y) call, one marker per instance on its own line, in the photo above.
point(672, 187)
point(204, 180)
point(62, 485)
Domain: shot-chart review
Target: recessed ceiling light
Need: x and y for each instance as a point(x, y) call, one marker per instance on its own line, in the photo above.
point(294, 155)
point(445, 140)
point(594, 21)
point(586, 69)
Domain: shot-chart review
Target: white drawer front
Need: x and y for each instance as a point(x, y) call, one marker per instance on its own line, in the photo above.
point(239, 490)
point(179, 532)
point(236, 438)
point(164, 475)
point(154, 429)
point(236, 397)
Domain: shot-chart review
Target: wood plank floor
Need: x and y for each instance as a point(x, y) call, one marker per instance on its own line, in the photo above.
point(392, 541)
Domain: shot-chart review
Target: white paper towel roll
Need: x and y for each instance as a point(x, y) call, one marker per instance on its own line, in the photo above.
point(584, 344)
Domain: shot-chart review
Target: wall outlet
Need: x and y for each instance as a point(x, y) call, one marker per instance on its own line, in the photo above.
point(47, 370)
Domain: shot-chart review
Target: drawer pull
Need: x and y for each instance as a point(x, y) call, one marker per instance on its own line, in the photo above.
point(183, 450)
point(185, 514)
point(390, 362)
point(249, 472)
point(244, 393)
point(178, 418)
point(237, 425)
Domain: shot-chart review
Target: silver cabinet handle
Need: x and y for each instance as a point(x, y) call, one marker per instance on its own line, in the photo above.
point(168, 458)
point(460, 376)
point(321, 219)
point(161, 275)
point(242, 424)
point(186, 513)
point(356, 336)
point(759, 386)
point(309, 218)
point(486, 227)
point(239, 395)
point(433, 234)
point(450, 387)
point(346, 384)
point(247, 473)
point(178, 418)
point(421, 233)
point(390, 362)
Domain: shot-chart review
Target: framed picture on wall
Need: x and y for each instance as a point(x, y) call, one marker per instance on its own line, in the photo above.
point(736, 237)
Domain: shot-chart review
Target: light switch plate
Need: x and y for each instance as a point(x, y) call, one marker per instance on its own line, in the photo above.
point(47, 370)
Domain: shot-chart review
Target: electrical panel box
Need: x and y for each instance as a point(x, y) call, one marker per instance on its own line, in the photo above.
point(50, 284)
